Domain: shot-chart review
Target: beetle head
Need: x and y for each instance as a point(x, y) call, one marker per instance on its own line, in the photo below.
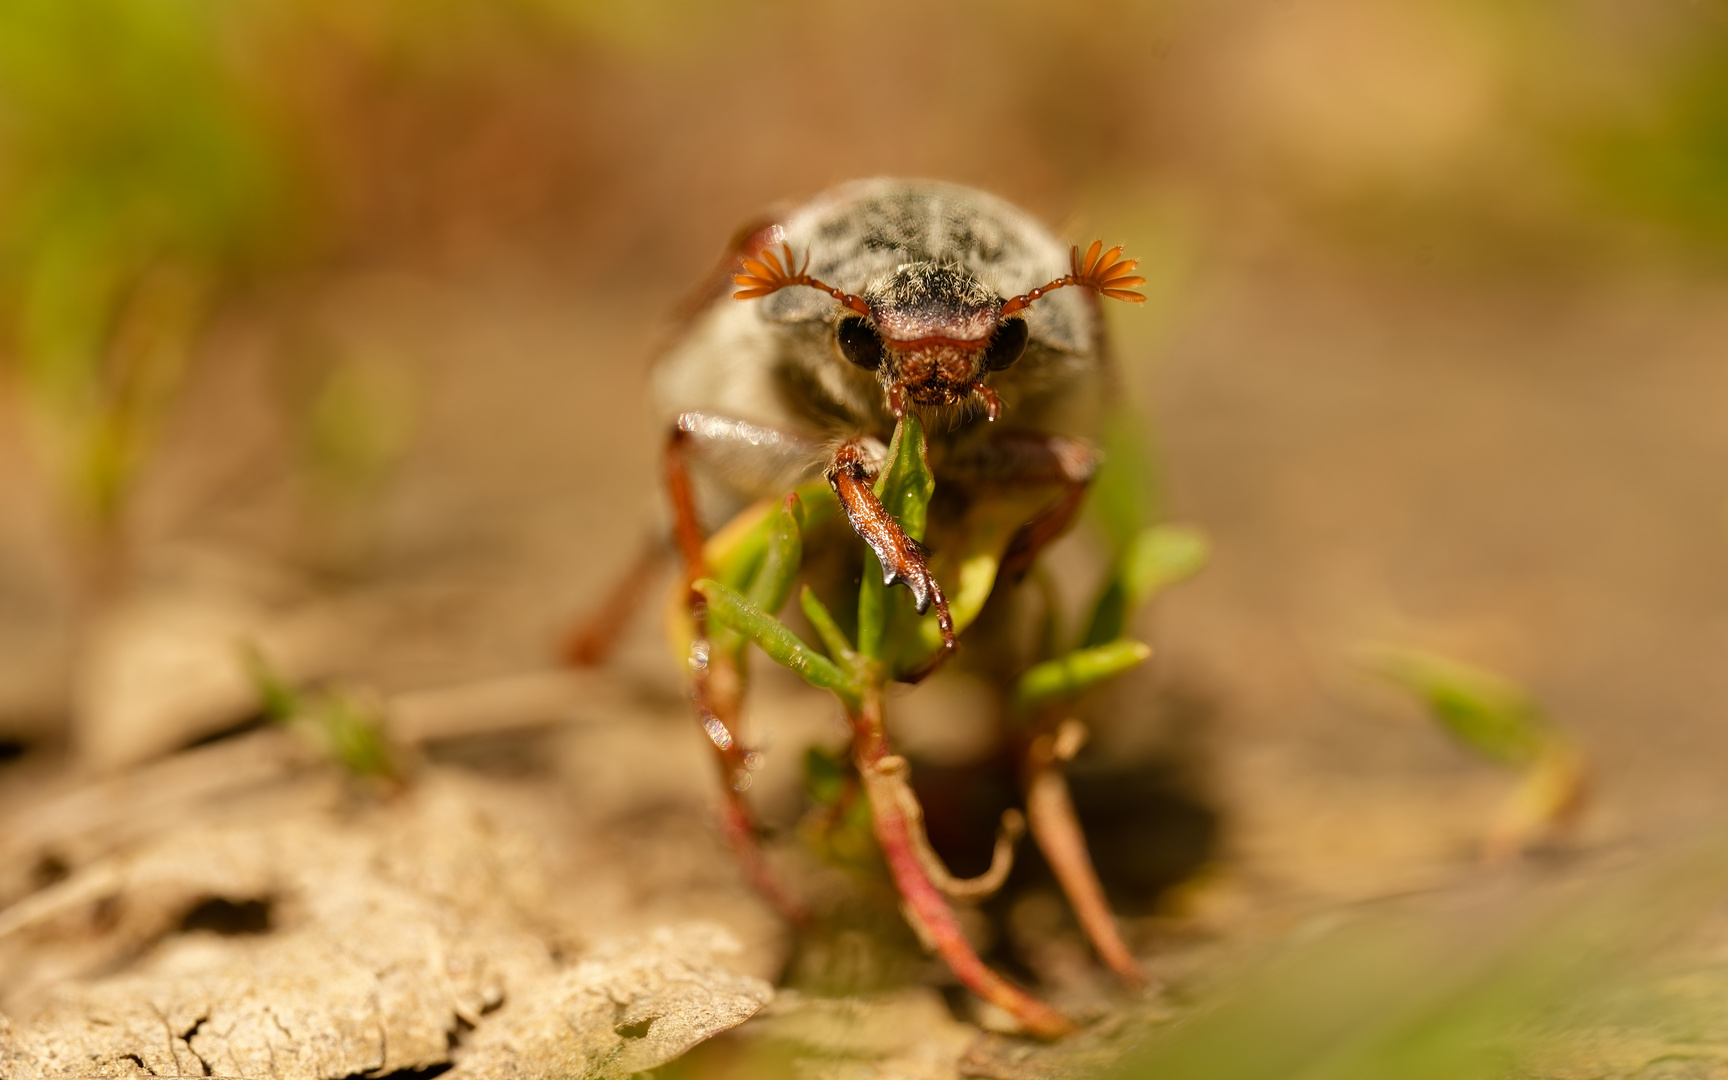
point(932, 331)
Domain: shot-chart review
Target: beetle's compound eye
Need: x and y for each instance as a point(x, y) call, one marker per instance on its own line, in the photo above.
point(1007, 345)
point(859, 342)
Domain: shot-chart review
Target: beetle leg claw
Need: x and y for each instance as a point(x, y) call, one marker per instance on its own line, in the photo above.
point(904, 560)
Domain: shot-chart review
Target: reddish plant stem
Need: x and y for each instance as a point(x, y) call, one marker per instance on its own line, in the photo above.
point(925, 905)
point(1056, 830)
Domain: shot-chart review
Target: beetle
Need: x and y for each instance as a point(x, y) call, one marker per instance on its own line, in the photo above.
point(908, 295)
point(824, 329)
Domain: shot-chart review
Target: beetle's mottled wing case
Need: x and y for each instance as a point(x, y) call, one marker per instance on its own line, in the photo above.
point(866, 229)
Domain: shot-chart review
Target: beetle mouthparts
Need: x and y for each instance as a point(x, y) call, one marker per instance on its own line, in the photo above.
point(901, 391)
point(992, 403)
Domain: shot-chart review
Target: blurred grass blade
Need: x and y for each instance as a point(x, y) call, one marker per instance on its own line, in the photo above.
point(1490, 715)
point(1081, 670)
point(1549, 798)
point(1552, 982)
point(276, 698)
point(353, 730)
point(782, 646)
point(142, 171)
point(1153, 560)
point(1160, 557)
point(1124, 496)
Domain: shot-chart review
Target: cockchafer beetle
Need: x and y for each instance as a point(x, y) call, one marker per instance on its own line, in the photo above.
point(826, 328)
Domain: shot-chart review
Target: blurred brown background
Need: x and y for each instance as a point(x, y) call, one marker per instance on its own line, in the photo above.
point(327, 326)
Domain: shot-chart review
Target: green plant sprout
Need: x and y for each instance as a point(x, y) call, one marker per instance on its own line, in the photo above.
point(346, 725)
point(1498, 720)
point(753, 566)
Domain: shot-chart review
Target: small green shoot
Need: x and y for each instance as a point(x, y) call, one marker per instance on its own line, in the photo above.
point(1154, 559)
point(352, 728)
point(346, 725)
point(731, 608)
point(277, 700)
point(1498, 720)
point(1490, 715)
point(891, 641)
point(772, 570)
point(889, 627)
point(1071, 675)
point(833, 638)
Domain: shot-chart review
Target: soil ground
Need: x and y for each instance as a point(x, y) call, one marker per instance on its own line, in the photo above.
point(1529, 479)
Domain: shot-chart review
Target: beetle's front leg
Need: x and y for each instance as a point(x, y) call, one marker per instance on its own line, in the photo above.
point(903, 559)
point(716, 684)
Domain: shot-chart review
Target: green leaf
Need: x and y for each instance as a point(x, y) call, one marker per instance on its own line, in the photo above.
point(1153, 560)
point(872, 600)
point(784, 554)
point(735, 552)
point(1489, 714)
point(1162, 556)
point(782, 646)
point(968, 564)
point(1124, 494)
point(904, 488)
point(1080, 670)
point(972, 585)
point(833, 638)
point(776, 551)
point(906, 484)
